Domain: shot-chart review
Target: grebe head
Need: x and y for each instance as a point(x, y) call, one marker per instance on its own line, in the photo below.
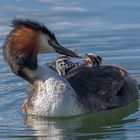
point(25, 41)
point(93, 59)
point(63, 65)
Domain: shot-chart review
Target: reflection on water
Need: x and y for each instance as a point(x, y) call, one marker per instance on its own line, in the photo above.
point(98, 125)
point(111, 29)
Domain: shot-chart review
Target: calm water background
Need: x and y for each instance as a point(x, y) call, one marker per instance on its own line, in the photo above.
point(110, 28)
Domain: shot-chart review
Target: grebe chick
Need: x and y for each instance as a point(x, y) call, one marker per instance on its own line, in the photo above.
point(63, 63)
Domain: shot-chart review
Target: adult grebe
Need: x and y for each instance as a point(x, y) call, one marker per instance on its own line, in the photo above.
point(85, 89)
point(51, 94)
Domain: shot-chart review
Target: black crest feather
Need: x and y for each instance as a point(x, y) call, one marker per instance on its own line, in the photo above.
point(35, 25)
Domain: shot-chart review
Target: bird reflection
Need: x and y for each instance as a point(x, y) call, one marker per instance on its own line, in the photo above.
point(95, 125)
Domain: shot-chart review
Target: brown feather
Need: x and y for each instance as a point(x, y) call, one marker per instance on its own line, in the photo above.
point(20, 50)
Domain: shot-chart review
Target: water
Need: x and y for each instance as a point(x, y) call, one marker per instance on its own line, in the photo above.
point(111, 29)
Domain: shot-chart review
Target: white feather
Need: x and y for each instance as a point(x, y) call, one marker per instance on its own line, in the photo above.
point(55, 96)
point(44, 44)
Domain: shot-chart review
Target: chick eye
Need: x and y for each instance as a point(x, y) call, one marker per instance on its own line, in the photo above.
point(62, 65)
point(67, 66)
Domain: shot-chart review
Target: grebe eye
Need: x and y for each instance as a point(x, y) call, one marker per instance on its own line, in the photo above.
point(49, 42)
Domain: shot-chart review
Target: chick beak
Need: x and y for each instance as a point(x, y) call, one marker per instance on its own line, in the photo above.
point(60, 49)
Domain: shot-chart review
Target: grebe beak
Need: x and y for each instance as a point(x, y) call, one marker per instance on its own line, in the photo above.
point(60, 49)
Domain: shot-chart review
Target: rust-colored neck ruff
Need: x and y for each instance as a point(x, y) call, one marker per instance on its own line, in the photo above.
point(20, 50)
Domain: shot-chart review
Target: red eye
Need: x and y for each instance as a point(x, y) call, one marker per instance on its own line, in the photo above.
point(50, 42)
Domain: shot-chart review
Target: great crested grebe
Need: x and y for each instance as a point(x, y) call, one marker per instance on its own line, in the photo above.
point(83, 89)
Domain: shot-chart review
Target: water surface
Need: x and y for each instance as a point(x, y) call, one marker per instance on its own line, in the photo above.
point(111, 29)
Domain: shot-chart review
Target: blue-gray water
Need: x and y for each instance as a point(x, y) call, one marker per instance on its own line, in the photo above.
point(110, 28)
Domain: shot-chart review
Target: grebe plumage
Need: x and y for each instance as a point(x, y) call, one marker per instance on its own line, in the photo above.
point(83, 89)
